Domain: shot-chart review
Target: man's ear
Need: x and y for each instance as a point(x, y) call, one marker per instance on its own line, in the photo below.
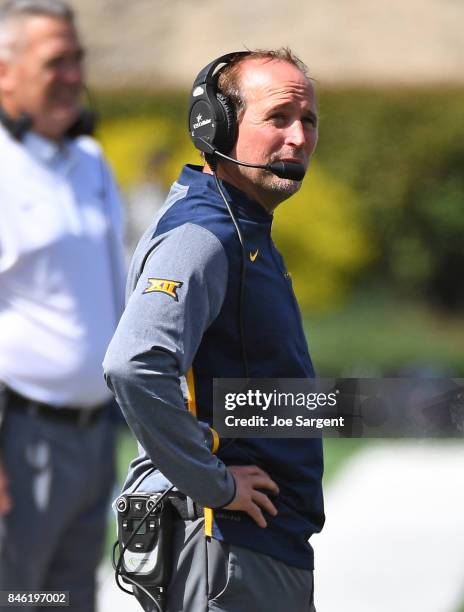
point(3, 68)
point(5, 77)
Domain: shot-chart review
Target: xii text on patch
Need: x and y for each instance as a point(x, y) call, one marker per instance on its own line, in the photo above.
point(163, 285)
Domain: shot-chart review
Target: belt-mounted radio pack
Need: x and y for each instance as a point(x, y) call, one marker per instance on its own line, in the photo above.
point(145, 544)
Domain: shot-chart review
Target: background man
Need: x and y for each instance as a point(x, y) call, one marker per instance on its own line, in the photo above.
point(61, 275)
point(186, 323)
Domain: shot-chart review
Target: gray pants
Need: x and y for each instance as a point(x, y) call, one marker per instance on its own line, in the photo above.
point(60, 479)
point(213, 576)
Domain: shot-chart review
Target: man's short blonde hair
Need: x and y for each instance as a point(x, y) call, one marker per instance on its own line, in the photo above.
point(229, 77)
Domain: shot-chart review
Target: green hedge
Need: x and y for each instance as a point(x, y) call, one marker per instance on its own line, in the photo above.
point(402, 151)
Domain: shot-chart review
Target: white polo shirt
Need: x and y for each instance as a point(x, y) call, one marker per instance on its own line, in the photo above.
point(61, 268)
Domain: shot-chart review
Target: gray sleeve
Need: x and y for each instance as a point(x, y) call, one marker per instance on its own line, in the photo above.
point(178, 295)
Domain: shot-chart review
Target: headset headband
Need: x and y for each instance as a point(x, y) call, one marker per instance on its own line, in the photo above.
point(205, 76)
point(212, 118)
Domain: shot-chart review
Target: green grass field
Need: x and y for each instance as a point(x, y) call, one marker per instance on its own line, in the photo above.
point(376, 335)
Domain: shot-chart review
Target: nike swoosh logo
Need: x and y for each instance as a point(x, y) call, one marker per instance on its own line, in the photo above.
point(254, 255)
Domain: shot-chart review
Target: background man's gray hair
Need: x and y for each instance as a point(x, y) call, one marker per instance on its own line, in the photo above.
point(12, 11)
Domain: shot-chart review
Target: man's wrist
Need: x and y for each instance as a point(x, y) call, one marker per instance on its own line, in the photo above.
point(230, 500)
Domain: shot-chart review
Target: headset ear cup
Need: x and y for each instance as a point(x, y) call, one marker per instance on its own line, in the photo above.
point(227, 135)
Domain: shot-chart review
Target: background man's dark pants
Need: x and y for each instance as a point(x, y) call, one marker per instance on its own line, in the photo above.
point(60, 479)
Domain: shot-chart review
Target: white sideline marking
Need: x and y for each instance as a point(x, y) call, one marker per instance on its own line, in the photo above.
point(110, 598)
point(394, 535)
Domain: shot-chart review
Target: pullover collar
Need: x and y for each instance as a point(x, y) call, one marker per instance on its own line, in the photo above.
point(246, 208)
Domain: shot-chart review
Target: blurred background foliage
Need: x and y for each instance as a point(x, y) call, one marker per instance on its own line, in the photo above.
point(373, 240)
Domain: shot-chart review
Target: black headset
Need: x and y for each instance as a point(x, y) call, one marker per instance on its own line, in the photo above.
point(84, 125)
point(212, 117)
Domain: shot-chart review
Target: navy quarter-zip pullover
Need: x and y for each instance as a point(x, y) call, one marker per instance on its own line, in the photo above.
point(182, 323)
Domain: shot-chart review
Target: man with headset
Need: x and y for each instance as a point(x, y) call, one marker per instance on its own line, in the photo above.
point(209, 297)
point(61, 282)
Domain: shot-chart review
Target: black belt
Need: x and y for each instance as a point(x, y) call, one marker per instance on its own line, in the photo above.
point(79, 417)
point(184, 507)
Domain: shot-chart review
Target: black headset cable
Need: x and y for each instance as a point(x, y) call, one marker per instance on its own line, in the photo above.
point(242, 269)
